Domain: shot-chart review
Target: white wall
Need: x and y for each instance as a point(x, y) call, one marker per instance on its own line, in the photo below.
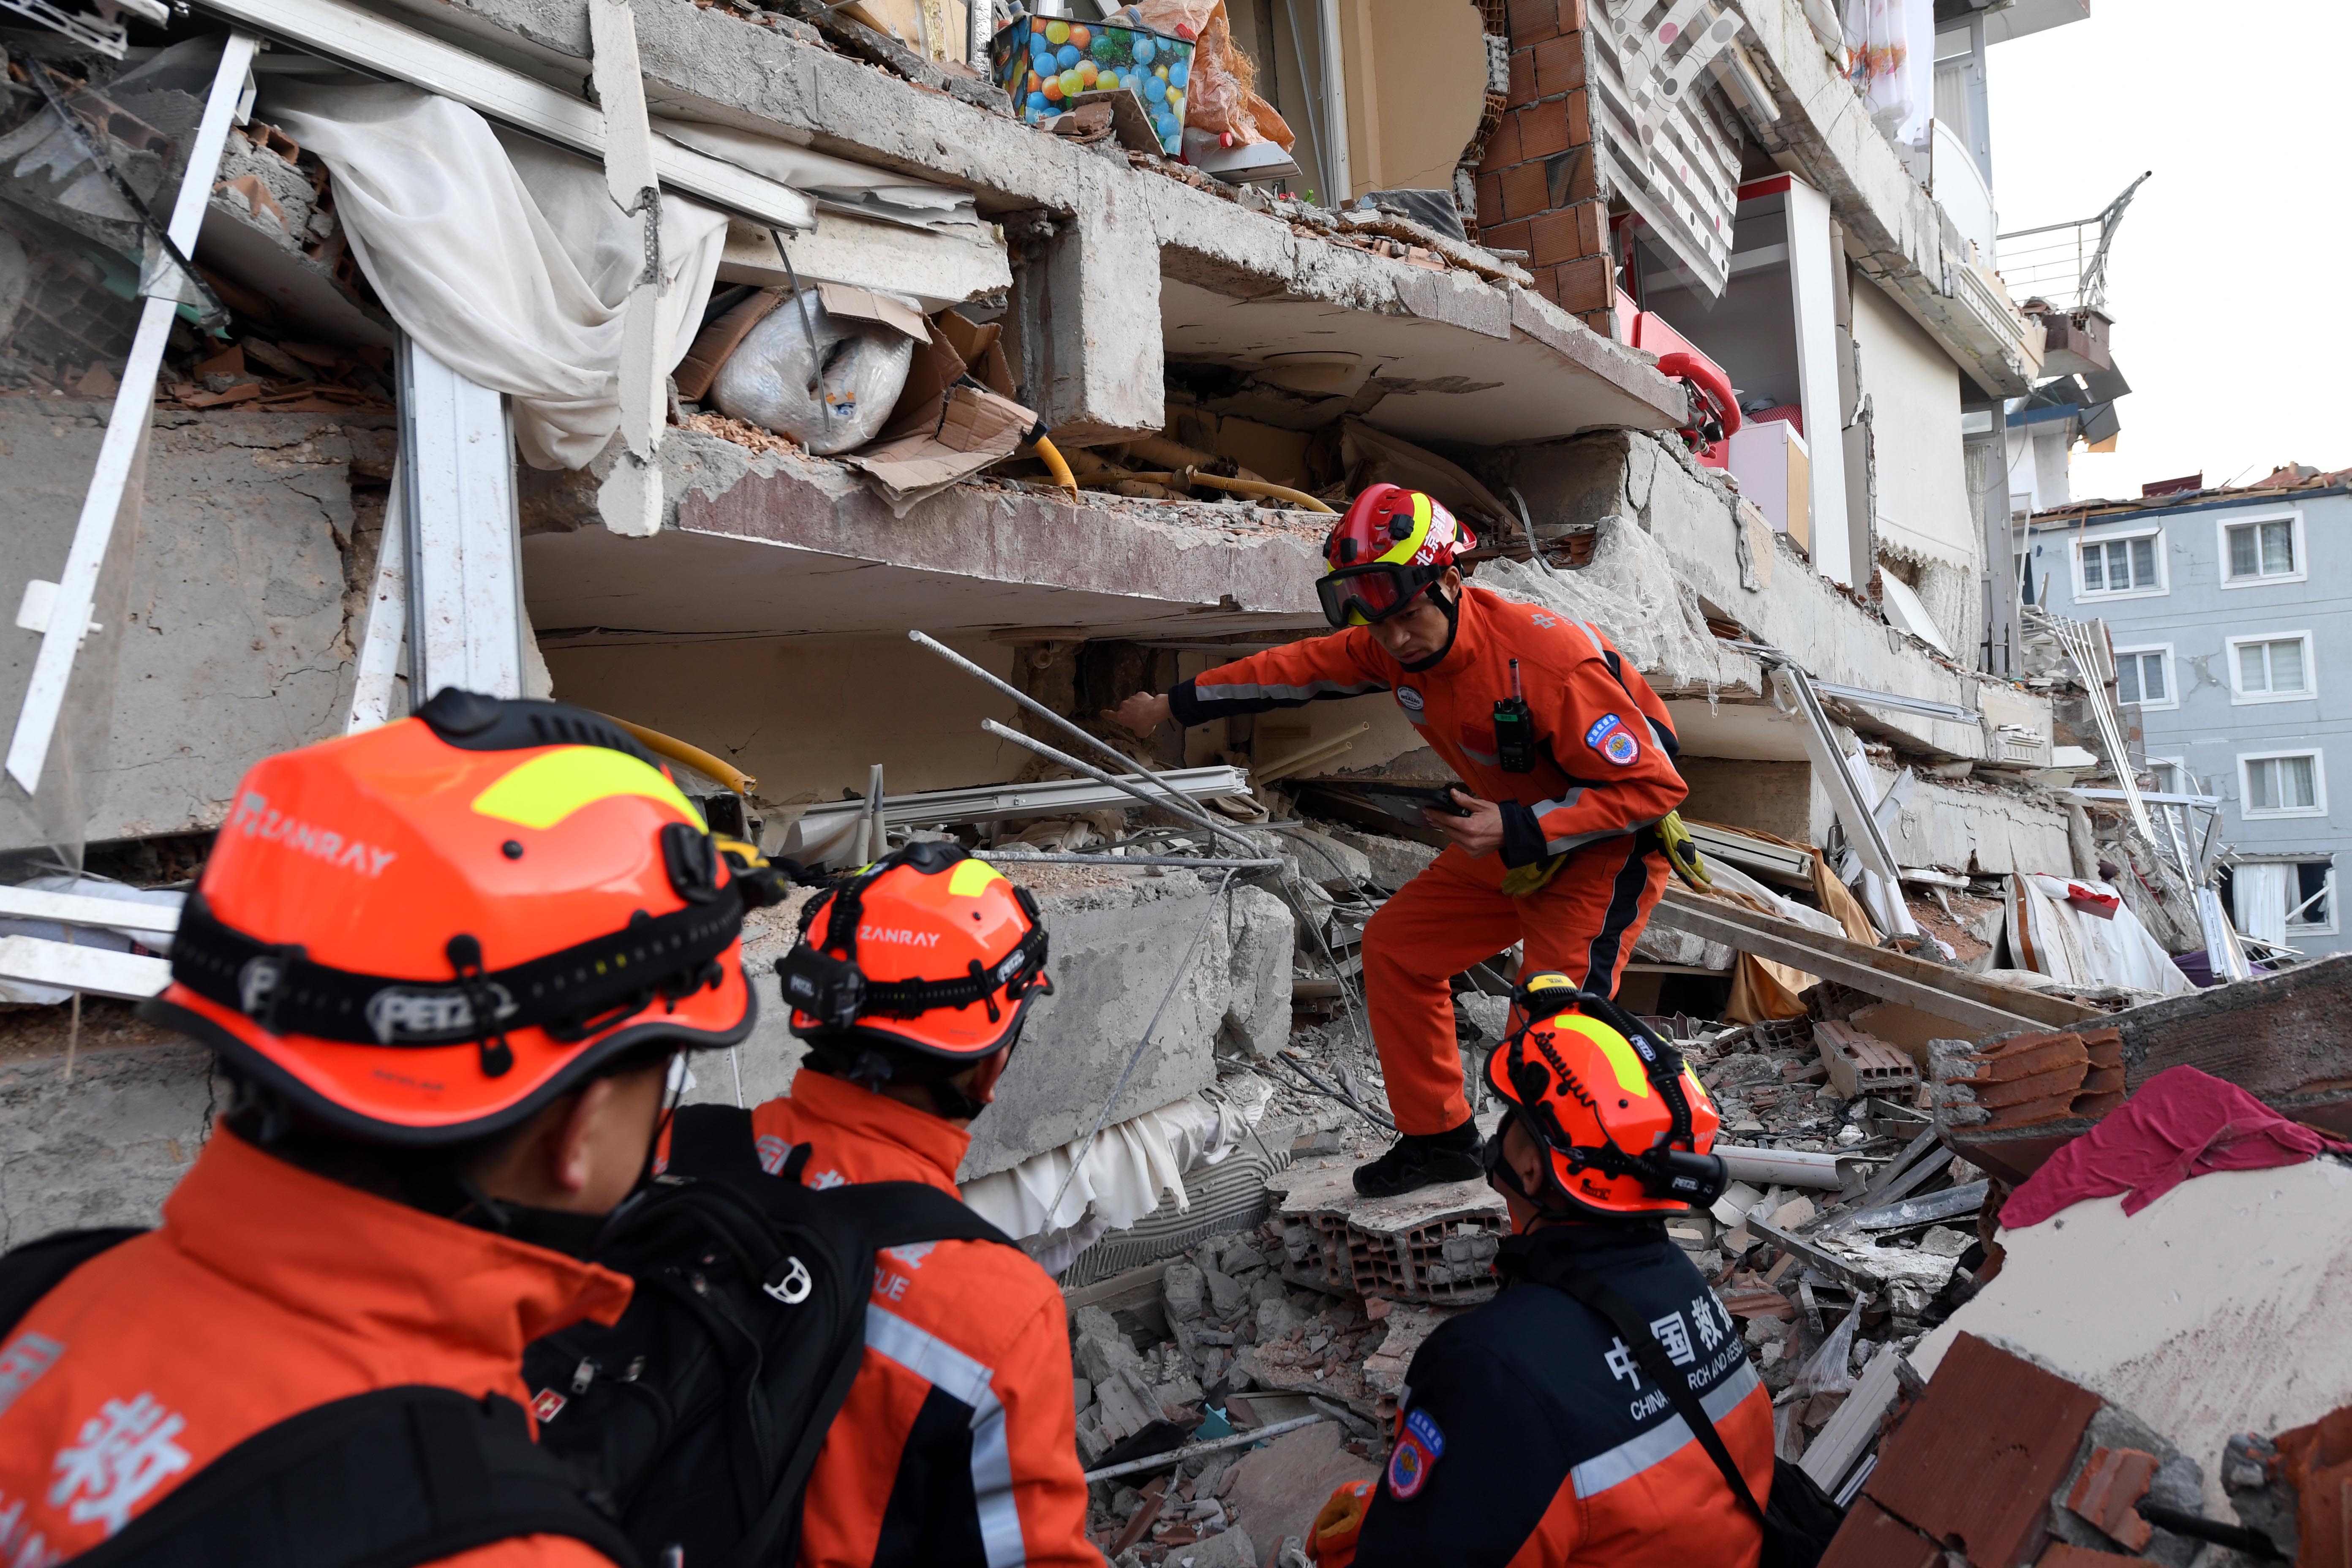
point(1915, 392)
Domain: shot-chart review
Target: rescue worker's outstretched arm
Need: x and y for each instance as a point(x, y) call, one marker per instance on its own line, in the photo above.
point(1620, 778)
point(1345, 663)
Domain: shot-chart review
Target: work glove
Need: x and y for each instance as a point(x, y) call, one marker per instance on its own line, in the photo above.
point(1682, 850)
point(1331, 1539)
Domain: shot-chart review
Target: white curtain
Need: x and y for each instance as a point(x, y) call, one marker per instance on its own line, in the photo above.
point(2258, 896)
point(501, 254)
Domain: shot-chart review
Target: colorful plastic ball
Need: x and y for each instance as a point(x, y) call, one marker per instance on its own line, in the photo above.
point(1144, 49)
point(1066, 56)
point(1036, 23)
point(1036, 82)
point(1052, 90)
point(1079, 35)
point(1180, 73)
point(1037, 101)
point(1087, 73)
point(1176, 105)
point(1057, 33)
point(1154, 90)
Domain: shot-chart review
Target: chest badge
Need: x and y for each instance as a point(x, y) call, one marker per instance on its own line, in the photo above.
point(1419, 1448)
point(1409, 699)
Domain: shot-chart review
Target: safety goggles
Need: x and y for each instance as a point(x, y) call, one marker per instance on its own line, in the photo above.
point(1355, 596)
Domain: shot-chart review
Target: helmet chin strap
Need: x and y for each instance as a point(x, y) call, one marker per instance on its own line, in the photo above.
point(1451, 609)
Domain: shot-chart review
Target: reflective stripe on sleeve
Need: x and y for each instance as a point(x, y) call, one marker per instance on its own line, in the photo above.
point(1662, 1442)
point(1308, 692)
point(962, 1379)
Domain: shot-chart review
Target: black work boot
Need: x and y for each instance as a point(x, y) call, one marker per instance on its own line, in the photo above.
point(1421, 1160)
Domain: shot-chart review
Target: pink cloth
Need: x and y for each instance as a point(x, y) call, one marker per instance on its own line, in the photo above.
point(2182, 1124)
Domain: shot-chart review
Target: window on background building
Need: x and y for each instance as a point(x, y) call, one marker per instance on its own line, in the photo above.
point(2272, 667)
point(2261, 549)
point(2140, 676)
point(2284, 785)
point(2119, 566)
point(2170, 777)
point(2280, 901)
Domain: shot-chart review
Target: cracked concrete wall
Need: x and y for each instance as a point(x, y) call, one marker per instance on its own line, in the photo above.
point(103, 1146)
point(236, 643)
point(1630, 474)
point(1981, 828)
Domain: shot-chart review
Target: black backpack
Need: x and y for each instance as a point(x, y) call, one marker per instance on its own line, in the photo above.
point(694, 1421)
point(696, 1418)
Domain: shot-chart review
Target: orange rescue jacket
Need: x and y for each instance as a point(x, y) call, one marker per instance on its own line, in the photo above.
point(1606, 760)
point(265, 1292)
point(959, 1441)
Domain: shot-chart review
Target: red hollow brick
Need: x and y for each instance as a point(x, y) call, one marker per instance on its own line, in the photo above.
point(1558, 66)
point(1560, 235)
point(1525, 191)
point(1543, 128)
point(1523, 77)
point(1547, 284)
point(1490, 200)
point(1580, 118)
point(1504, 235)
point(1586, 285)
point(1502, 147)
point(1534, 20)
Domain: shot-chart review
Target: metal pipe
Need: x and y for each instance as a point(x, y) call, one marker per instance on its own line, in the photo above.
point(1030, 743)
point(1213, 1446)
point(1182, 801)
point(1784, 1167)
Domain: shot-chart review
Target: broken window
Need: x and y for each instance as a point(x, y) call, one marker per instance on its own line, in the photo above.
point(2140, 676)
point(2274, 900)
point(2259, 549)
point(2272, 668)
point(2283, 784)
point(2121, 566)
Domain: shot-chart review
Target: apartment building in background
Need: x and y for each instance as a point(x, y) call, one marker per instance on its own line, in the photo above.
point(2230, 615)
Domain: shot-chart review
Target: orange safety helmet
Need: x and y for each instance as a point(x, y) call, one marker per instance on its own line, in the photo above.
point(1392, 544)
point(1626, 1122)
point(424, 933)
point(926, 952)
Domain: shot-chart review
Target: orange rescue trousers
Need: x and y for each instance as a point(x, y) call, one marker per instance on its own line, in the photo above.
point(1582, 924)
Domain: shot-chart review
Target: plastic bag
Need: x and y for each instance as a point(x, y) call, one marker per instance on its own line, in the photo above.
point(773, 378)
point(1219, 99)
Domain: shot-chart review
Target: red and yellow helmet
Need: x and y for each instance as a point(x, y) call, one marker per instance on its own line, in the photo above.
point(424, 933)
point(1392, 544)
point(926, 951)
point(1626, 1123)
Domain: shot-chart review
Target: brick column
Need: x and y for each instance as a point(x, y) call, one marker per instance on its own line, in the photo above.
point(1538, 190)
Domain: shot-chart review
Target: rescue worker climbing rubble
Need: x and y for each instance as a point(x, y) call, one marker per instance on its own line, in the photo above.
point(445, 965)
point(957, 1444)
point(1546, 1428)
point(1567, 762)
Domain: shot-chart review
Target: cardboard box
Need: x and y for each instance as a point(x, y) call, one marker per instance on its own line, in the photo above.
point(1774, 469)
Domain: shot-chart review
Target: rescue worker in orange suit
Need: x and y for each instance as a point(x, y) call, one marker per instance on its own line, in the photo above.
point(1534, 1431)
point(1567, 762)
point(417, 1113)
point(957, 1444)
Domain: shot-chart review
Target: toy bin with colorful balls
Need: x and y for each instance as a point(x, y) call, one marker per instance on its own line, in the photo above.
point(1045, 61)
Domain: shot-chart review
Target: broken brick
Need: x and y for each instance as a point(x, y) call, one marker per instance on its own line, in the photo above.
point(2110, 1485)
point(2023, 1056)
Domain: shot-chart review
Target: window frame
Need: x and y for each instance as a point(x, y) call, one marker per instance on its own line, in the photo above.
point(2248, 811)
point(2225, 521)
point(2180, 765)
point(2295, 928)
point(2122, 535)
point(2240, 697)
point(2171, 683)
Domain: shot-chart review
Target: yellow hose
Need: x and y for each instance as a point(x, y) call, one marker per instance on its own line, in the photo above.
point(1055, 466)
point(1218, 482)
point(694, 757)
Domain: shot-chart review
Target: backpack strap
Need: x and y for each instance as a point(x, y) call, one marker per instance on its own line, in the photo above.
point(1602, 1298)
point(713, 1144)
point(31, 1271)
point(390, 1478)
point(900, 1214)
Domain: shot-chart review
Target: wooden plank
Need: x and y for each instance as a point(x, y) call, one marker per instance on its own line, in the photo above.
point(1980, 1004)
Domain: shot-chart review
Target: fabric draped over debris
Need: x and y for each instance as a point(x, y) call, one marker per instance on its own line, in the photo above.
point(2058, 938)
point(1122, 1176)
point(503, 256)
point(1632, 592)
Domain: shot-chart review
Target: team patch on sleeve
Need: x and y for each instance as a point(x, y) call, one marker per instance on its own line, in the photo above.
point(1609, 737)
point(1419, 1448)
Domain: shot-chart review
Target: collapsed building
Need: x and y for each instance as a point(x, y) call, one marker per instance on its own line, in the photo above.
point(679, 361)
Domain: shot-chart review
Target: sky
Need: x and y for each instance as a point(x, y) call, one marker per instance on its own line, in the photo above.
point(2228, 279)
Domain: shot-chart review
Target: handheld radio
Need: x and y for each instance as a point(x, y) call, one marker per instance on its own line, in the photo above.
point(1514, 730)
